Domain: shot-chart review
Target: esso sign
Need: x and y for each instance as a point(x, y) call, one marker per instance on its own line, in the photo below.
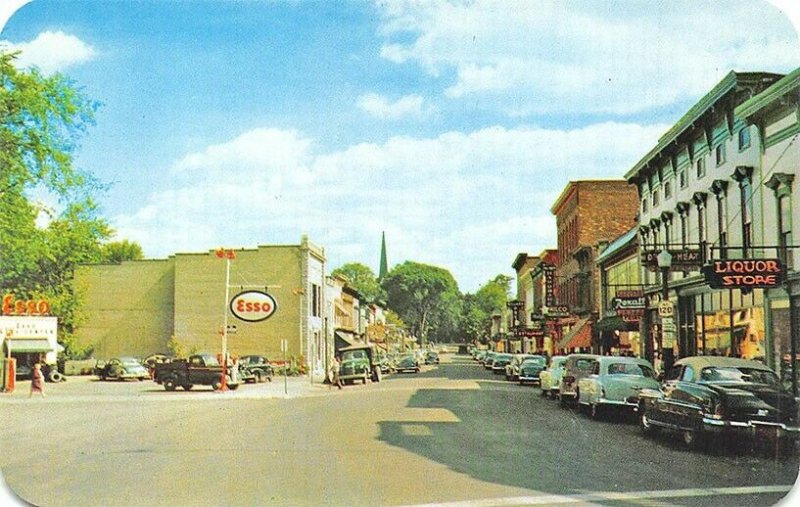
point(253, 306)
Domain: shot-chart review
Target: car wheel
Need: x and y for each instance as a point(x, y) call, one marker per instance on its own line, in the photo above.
point(187, 387)
point(644, 422)
point(216, 385)
point(170, 384)
point(692, 439)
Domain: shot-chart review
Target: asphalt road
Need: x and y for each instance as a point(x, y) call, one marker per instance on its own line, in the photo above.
point(452, 435)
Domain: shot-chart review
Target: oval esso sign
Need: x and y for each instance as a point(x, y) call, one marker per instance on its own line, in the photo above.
point(253, 306)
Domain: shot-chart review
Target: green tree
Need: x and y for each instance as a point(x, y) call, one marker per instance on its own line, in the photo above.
point(41, 120)
point(118, 251)
point(478, 308)
point(361, 278)
point(425, 297)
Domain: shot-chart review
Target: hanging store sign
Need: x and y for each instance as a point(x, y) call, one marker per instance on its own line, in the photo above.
point(549, 284)
point(744, 274)
point(557, 312)
point(682, 260)
point(629, 300)
point(529, 333)
point(253, 306)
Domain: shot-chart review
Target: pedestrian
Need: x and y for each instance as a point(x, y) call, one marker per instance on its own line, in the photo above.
point(37, 380)
point(335, 380)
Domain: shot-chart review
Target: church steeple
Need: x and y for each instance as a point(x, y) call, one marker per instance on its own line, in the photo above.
point(384, 267)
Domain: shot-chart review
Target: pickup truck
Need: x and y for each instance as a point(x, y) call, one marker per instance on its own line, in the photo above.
point(359, 362)
point(255, 369)
point(198, 369)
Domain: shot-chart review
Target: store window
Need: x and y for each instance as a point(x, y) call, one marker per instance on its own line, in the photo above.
point(785, 229)
point(731, 324)
point(722, 225)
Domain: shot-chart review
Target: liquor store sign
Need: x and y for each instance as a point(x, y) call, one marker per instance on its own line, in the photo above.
point(744, 274)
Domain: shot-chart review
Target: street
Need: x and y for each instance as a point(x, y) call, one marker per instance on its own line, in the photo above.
point(452, 434)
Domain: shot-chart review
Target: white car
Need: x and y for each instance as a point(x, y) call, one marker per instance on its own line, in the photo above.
point(550, 379)
point(615, 382)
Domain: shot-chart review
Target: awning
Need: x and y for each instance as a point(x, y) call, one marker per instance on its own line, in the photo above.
point(28, 345)
point(343, 339)
point(615, 323)
point(579, 336)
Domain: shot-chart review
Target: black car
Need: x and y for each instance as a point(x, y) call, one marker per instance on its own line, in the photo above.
point(704, 396)
point(255, 369)
point(432, 357)
point(407, 363)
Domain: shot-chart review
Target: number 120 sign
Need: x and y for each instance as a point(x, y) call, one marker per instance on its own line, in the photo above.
point(253, 306)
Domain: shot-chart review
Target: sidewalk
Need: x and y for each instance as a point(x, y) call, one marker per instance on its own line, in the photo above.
point(82, 388)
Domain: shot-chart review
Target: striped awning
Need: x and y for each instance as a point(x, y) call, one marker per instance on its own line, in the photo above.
point(578, 337)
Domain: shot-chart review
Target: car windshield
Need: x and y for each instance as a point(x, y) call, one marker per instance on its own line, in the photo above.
point(354, 354)
point(639, 370)
point(532, 362)
point(738, 374)
point(128, 361)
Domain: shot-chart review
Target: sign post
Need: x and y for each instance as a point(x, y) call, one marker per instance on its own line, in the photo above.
point(284, 346)
point(227, 255)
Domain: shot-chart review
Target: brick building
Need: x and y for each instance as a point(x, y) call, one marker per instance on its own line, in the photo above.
point(588, 212)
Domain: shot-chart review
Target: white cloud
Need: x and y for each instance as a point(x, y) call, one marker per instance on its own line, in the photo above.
point(537, 57)
point(381, 107)
point(484, 194)
point(53, 51)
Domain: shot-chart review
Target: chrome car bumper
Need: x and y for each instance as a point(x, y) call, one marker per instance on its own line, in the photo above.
point(751, 428)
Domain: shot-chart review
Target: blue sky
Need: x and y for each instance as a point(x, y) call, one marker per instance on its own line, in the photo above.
point(451, 126)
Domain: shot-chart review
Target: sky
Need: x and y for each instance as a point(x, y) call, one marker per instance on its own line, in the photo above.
point(453, 127)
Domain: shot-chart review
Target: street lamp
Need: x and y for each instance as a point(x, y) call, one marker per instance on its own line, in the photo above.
point(664, 260)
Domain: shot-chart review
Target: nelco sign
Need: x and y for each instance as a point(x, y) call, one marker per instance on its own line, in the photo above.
point(744, 274)
point(253, 306)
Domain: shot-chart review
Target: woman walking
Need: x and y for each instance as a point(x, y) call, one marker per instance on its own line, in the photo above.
point(37, 380)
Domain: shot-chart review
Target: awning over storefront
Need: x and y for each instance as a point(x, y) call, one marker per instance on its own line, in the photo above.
point(343, 339)
point(28, 345)
point(579, 336)
point(615, 323)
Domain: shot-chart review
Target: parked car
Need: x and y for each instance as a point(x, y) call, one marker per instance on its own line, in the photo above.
point(407, 363)
point(488, 360)
point(531, 369)
point(255, 369)
point(197, 369)
point(432, 357)
point(616, 382)
point(512, 369)
point(150, 361)
point(576, 367)
point(702, 396)
point(23, 372)
point(122, 368)
point(550, 378)
point(500, 362)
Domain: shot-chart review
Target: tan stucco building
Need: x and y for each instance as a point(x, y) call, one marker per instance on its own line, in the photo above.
point(135, 308)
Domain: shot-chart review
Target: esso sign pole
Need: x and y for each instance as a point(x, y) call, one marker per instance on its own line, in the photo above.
point(228, 255)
